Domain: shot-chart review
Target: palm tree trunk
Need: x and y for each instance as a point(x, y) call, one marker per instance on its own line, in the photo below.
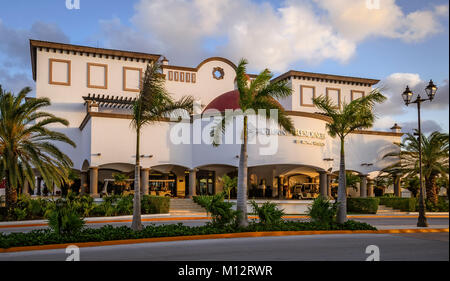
point(242, 181)
point(10, 194)
point(137, 223)
point(430, 185)
point(342, 192)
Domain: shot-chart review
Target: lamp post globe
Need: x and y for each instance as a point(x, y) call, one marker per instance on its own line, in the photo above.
point(431, 90)
point(407, 95)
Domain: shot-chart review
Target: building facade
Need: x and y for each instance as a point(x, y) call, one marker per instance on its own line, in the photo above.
point(94, 89)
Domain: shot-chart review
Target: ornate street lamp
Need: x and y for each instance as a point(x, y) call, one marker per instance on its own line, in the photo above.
point(407, 95)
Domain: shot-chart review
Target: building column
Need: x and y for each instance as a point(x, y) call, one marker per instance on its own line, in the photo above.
point(144, 180)
point(370, 192)
point(280, 187)
point(83, 182)
point(363, 186)
point(329, 185)
point(192, 183)
point(397, 188)
point(93, 173)
point(323, 184)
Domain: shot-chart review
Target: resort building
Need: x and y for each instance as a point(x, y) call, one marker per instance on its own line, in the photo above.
point(94, 88)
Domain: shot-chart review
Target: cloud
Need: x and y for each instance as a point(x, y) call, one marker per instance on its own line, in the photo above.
point(15, 45)
point(428, 126)
point(356, 21)
point(298, 30)
point(15, 82)
point(394, 85)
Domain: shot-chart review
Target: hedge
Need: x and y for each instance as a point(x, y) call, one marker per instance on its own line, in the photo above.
point(402, 204)
point(363, 205)
point(108, 232)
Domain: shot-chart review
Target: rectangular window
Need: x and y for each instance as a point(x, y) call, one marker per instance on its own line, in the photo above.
point(357, 94)
point(188, 77)
point(334, 95)
point(181, 76)
point(132, 79)
point(97, 75)
point(170, 75)
point(307, 93)
point(193, 77)
point(59, 72)
point(176, 76)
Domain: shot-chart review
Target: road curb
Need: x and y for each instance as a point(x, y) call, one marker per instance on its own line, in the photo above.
point(218, 236)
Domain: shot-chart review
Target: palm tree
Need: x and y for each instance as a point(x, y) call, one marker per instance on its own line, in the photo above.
point(228, 185)
point(259, 93)
point(27, 144)
point(152, 105)
point(358, 114)
point(435, 154)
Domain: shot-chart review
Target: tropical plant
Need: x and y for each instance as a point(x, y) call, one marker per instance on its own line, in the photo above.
point(28, 144)
point(322, 211)
point(65, 220)
point(228, 185)
point(152, 105)
point(435, 157)
point(345, 119)
point(254, 95)
point(221, 212)
point(268, 212)
point(412, 184)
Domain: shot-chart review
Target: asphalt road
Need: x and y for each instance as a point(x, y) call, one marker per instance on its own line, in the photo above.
point(380, 223)
point(352, 247)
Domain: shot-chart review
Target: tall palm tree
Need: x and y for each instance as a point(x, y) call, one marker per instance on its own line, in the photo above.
point(259, 93)
point(27, 144)
point(346, 118)
point(435, 154)
point(152, 105)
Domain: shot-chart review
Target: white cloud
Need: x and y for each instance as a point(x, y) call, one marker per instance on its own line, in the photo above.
point(394, 85)
point(355, 21)
point(299, 30)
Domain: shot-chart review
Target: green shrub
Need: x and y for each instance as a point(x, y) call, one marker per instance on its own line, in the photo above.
point(65, 220)
point(363, 205)
point(398, 203)
point(221, 212)
point(441, 206)
point(202, 200)
point(268, 213)
point(155, 204)
point(322, 211)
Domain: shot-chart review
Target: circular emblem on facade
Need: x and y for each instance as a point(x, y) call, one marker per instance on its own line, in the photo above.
point(218, 73)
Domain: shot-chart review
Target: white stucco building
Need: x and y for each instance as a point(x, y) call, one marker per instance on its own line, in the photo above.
point(93, 88)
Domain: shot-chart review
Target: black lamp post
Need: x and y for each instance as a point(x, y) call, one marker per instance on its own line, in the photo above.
point(430, 90)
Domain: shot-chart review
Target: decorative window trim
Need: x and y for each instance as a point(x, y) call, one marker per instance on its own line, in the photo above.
point(125, 68)
point(170, 75)
point(220, 70)
point(356, 91)
point(181, 76)
point(89, 85)
point(301, 95)
point(69, 75)
point(188, 77)
point(175, 75)
point(339, 95)
point(193, 78)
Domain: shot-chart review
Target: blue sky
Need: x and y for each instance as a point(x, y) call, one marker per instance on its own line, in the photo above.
point(407, 42)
